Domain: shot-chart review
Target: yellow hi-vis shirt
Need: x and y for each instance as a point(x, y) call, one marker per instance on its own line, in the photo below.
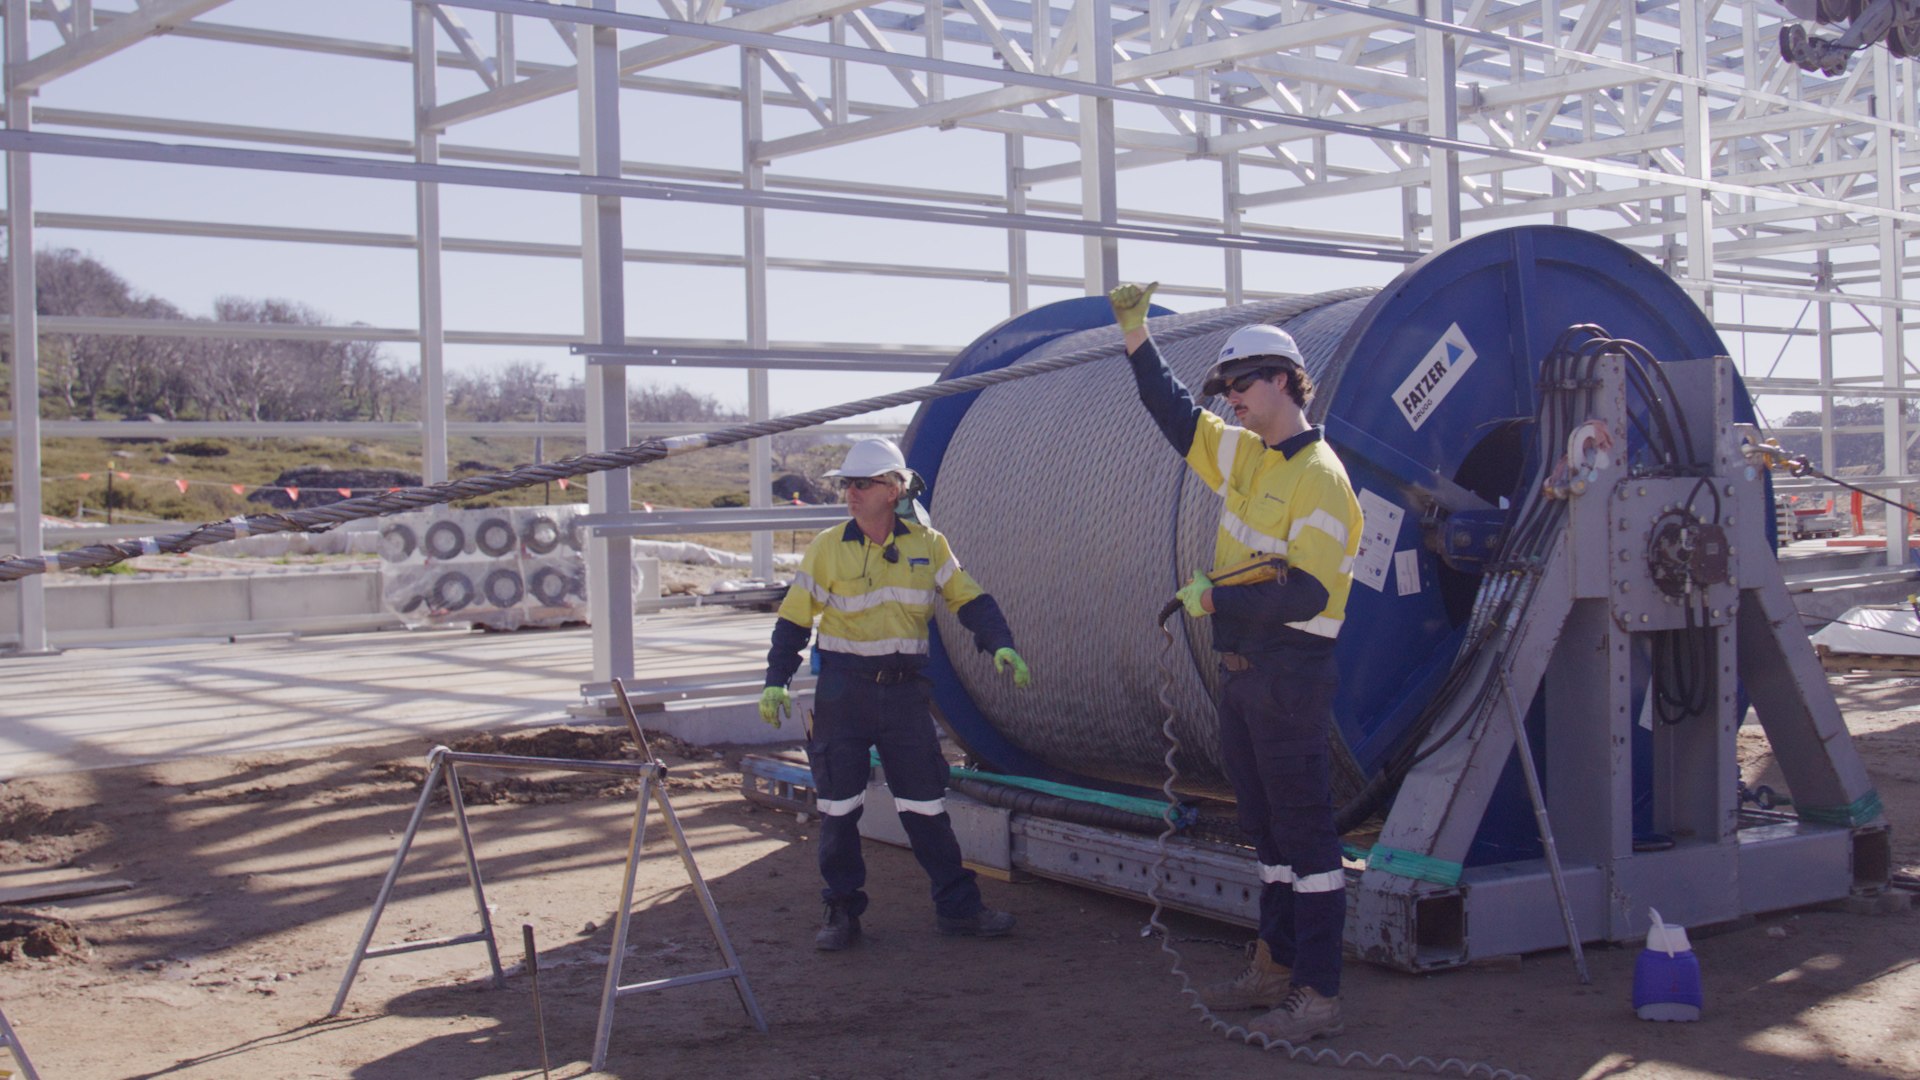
point(868, 606)
point(1301, 507)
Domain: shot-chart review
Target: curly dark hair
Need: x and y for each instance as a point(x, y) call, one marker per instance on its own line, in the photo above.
point(1299, 383)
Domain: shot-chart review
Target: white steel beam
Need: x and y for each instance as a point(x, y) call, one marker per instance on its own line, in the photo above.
point(603, 291)
point(433, 379)
point(22, 294)
point(153, 17)
point(753, 245)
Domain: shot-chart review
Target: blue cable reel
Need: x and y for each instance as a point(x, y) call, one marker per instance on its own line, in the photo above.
point(1427, 390)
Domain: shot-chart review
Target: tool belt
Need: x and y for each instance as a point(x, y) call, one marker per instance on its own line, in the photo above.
point(1234, 662)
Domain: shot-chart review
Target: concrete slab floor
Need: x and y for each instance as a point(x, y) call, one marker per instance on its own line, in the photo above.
point(95, 708)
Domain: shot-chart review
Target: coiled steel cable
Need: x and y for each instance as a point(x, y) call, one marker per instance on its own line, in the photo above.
point(1351, 1059)
point(1064, 500)
point(320, 519)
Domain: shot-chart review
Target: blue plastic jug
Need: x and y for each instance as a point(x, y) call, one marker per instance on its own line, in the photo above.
point(1666, 977)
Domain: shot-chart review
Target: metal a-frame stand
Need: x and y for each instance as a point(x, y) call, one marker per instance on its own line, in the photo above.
point(442, 766)
point(10, 1041)
point(1594, 603)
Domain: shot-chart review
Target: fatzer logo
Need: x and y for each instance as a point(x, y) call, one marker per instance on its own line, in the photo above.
point(1435, 376)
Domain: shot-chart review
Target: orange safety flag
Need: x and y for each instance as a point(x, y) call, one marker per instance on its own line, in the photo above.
point(86, 476)
point(563, 483)
point(181, 484)
point(124, 475)
point(649, 506)
point(345, 493)
point(239, 489)
point(292, 493)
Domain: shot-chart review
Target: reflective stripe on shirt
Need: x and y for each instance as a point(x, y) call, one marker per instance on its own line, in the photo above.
point(896, 594)
point(1250, 536)
point(1323, 521)
point(878, 647)
point(1229, 449)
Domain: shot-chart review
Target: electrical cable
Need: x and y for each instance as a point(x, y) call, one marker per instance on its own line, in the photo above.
point(1351, 1059)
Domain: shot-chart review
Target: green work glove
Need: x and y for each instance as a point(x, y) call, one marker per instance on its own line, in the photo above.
point(1022, 677)
point(773, 702)
point(1130, 304)
point(1190, 595)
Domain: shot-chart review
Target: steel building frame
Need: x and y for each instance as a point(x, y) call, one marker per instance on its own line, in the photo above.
point(1670, 125)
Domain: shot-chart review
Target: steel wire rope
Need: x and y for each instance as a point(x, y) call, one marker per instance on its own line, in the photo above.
point(1051, 491)
point(320, 519)
point(1351, 1059)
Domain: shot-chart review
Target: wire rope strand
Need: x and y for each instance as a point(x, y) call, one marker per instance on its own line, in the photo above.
point(319, 519)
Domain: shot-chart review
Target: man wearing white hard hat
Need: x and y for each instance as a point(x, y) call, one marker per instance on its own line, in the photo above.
point(872, 583)
point(1284, 494)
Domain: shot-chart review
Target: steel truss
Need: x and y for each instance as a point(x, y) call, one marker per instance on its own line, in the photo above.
point(1670, 125)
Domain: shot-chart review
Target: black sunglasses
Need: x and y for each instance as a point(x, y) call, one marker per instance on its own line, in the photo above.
point(862, 483)
point(1240, 383)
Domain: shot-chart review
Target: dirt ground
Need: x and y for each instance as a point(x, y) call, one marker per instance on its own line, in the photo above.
point(252, 878)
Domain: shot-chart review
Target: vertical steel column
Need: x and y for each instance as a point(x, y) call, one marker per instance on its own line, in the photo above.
point(753, 174)
point(1443, 121)
point(837, 33)
point(1699, 152)
point(604, 295)
point(1886, 149)
point(1098, 186)
point(1823, 282)
point(1231, 215)
point(934, 29)
point(1017, 298)
point(426, 209)
point(23, 291)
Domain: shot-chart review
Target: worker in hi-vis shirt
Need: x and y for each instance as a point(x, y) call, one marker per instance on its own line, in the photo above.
point(872, 584)
point(1287, 506)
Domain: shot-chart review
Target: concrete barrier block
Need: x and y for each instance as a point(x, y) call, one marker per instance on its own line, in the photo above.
point(169, 602)
point(81, 603)
point(297, 596)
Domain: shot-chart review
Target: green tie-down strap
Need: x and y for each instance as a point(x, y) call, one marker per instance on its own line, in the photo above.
point(1408, 864)
point(1862, 810)
point(1152, 808)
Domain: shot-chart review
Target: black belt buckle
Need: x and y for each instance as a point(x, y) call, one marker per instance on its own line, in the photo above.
point(891, 678)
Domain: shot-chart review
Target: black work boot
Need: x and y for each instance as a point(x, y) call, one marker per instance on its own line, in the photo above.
point(841, 930)
point(983, 923)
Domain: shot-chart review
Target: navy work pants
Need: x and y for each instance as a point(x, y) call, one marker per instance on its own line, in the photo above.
point(1274, 722)
point(853, 715)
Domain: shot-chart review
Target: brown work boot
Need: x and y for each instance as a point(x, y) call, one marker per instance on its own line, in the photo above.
point(841, 929)
point(1303, 1015)
point(1263, 985)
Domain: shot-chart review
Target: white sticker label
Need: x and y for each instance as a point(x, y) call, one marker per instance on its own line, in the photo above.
point(1379, 528)
point(1406, 571)
point(1435, 377)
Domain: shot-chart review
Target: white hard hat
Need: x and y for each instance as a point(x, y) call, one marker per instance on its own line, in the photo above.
point(873, 457)
point(1250, 348)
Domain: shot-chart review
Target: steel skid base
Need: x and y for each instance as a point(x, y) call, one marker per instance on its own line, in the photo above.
point(1573, 653)
point(1573, 649)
